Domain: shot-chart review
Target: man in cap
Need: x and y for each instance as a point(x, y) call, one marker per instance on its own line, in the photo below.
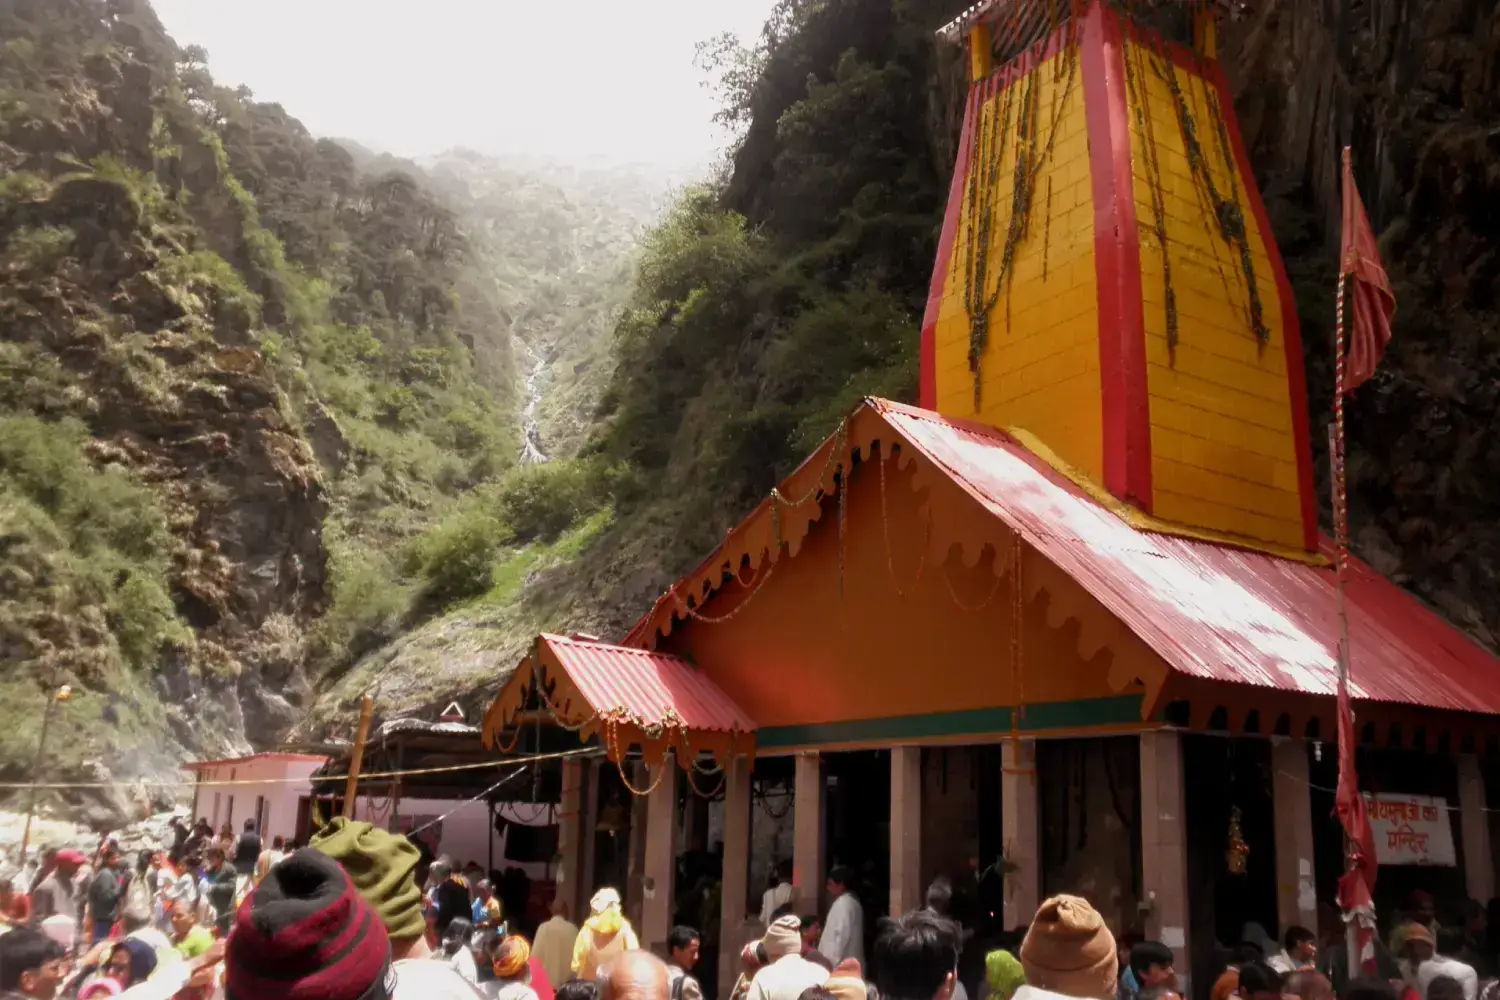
point(1068, 951)
point(786, 973)
point(381, 866)
point(306, 932)
point(57, 893)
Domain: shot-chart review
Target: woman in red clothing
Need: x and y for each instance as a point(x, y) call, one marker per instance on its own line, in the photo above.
point(15, 907)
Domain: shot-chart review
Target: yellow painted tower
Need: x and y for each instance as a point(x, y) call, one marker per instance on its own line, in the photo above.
point(1107, 285)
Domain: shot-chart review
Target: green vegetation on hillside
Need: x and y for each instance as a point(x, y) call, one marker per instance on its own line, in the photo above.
point(258, 396)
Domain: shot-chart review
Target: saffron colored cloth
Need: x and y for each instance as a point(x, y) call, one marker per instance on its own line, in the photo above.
point(1373, 304)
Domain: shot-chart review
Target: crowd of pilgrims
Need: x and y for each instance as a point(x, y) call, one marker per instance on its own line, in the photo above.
point(359, 913)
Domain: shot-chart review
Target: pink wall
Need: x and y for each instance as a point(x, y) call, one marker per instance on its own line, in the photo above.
point(280, 779)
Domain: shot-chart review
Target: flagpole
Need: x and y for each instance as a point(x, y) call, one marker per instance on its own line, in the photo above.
point(1341, 544)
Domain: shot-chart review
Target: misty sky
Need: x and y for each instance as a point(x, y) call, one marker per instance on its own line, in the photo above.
point(574, 80)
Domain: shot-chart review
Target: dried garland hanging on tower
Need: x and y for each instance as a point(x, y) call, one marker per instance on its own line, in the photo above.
point(987, 152)
point(1228, 215)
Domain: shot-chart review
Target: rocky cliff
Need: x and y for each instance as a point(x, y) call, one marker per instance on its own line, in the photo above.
point(246, 378)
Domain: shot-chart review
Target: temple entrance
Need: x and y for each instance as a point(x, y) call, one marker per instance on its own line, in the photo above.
point(1231, 849)
point(1089, 792)
point(857, 826)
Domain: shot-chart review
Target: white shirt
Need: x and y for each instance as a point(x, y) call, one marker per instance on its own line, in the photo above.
point(1440, 966)
point(844, 930)
point(431, 979)
point(1037, 993)
point(463, 963)
point(774, 899)
point(1284, 963)
point(786, 978)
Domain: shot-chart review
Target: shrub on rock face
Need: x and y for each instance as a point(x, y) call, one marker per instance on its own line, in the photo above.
point(455, 560)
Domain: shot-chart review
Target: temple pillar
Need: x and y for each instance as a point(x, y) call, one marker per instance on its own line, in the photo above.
point(1020, 826)
point(906, 830)
point(590, 836)
point(735, 887)
point(1479, 866)
point(1164, 846)
point(1296, 888)
point(570, 834)
point(635, 867)
point(807, 834)
point(661, 857)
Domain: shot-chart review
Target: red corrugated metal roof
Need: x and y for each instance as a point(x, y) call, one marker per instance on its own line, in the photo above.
point(306, 758)
point(645, 685)
point(1212, 611)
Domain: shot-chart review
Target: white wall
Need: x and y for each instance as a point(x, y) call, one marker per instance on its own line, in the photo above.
point(282, 780)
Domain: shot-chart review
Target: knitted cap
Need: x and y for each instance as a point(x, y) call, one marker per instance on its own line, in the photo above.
point(784, 937)
point(304, 933)
point(847, 982)
point(380, 865)
point(1003, 974)
point(1068, 950)
point(1416, 932)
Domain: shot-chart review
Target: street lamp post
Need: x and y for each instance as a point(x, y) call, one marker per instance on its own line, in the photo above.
point(59, 696)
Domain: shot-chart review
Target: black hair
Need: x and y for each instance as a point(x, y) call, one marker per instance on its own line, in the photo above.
point(810, 920)
point(249, 824)
point(784, 869)
point(681, 936)
point(784, 910)
point(1246, 952)
point(1258, 977)
point(915, 954)
point(1295, 936)
point(841, 875)
point(1368, 988)
point(24, 950)
point(278, 842)
point(457, 935)
point(1144, 954)
point(1450, 941)
point(1444, 986)
point(940, 896)
point(815, 993)
point(578, 989)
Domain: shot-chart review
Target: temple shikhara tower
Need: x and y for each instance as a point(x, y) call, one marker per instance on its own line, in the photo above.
point(1107, 282)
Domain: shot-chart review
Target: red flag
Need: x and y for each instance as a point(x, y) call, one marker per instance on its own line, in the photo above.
point(1370, 290)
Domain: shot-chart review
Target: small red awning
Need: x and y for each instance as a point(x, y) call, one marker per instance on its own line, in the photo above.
point(630, 697)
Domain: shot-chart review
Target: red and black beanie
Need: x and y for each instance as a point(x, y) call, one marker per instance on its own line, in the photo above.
point(306, 934)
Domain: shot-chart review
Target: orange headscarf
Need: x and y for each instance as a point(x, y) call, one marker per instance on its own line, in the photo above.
point(511, 957)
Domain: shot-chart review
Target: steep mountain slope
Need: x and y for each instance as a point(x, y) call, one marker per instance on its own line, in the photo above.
point(247, 380)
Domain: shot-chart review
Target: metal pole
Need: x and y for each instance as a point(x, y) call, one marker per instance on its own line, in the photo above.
point(366, 709)
point(60, 695)
point(1341, 545)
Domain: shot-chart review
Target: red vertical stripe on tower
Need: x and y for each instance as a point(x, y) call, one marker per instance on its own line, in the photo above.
point(927, 377)
point(1125, 408)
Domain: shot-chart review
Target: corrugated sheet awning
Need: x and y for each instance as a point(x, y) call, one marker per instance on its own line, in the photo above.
point(1212, 611)
point(627, 696)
